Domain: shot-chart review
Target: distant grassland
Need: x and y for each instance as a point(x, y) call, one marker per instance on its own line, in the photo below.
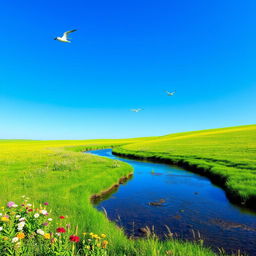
point(227, 155)
point(57, 172)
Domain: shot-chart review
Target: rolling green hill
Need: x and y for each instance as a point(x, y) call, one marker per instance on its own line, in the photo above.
point(227, 155)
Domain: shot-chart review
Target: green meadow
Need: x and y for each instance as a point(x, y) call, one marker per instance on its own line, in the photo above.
point(226, 155)
point(59, 173)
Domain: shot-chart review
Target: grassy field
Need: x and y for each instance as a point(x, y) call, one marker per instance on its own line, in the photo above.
point(58, 173)
point(227, 155)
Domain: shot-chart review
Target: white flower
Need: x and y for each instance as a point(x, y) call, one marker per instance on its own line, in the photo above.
point(15, 240)
point(36, 215)
point(22, 219)
point(1, 228)
point(29, 205)
point(44, 212)
point(40, 232)
point(1, 214)
point(18, 216)
point(57, 234)
point(21, 225)
point(50, 219)
point(15, 206)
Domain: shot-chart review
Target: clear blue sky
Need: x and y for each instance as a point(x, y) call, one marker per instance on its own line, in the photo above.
point(124, 55)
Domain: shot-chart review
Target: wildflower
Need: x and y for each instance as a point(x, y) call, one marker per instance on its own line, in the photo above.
point(58, 234)
point(36, 215)
point(17, 216)
point(46, 203)
point(84, 233)
point(61, 230)
point(74, 239)
point(21, 235)
point(1, 214)
point(104, 244)
point(44, 212)
point(68, 226)
point(10, 204)
point(103, 235)
point(45, 224)
point(40, 232)
point(1, 228)
point(47, 236)
point(30, 210)
point(5, 219)
point(50, 219)
point(5, 238)
point(62, 217)
point(22, 219)
point(15, 240)
point(21, 225)
point(29, 205)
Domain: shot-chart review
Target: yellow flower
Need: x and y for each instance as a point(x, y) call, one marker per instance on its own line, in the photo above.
point(12, 213)
point(87, 247)
point(21, 235)
point(84, 233)
point(91, 234)
point(4, 219)
point(5, 238)
point(98, 244)
point(47, 236)
point(103, 236)
point(104, 244)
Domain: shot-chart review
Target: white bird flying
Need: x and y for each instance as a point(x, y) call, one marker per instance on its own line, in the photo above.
point(65, 38)
point(170, 93)
point(136, 110)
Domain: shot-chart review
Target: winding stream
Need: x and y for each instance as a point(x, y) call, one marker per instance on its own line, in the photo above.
point(160, 194)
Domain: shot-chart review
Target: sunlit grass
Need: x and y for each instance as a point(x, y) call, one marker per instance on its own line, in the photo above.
point(229, 154)
point(57, 172)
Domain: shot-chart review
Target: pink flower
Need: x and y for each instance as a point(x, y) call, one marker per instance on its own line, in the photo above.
point(10, 204)
point(46, 203)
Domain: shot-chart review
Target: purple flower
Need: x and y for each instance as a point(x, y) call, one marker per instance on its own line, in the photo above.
point(10, 204)
point(45, 224)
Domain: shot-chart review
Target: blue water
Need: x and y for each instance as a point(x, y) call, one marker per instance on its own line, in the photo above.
point(192, 202)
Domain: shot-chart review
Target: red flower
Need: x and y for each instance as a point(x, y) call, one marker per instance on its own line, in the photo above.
point(75, 239)
point(30, 210)
point(61, 230)
point(62, 217)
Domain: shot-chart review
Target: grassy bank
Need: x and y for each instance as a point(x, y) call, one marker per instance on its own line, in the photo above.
point(57, 172)
point(227, 156)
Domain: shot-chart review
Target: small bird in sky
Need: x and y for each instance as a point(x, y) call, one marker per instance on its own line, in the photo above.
point(65, 38)
point(136, 110)
point(170, 93)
